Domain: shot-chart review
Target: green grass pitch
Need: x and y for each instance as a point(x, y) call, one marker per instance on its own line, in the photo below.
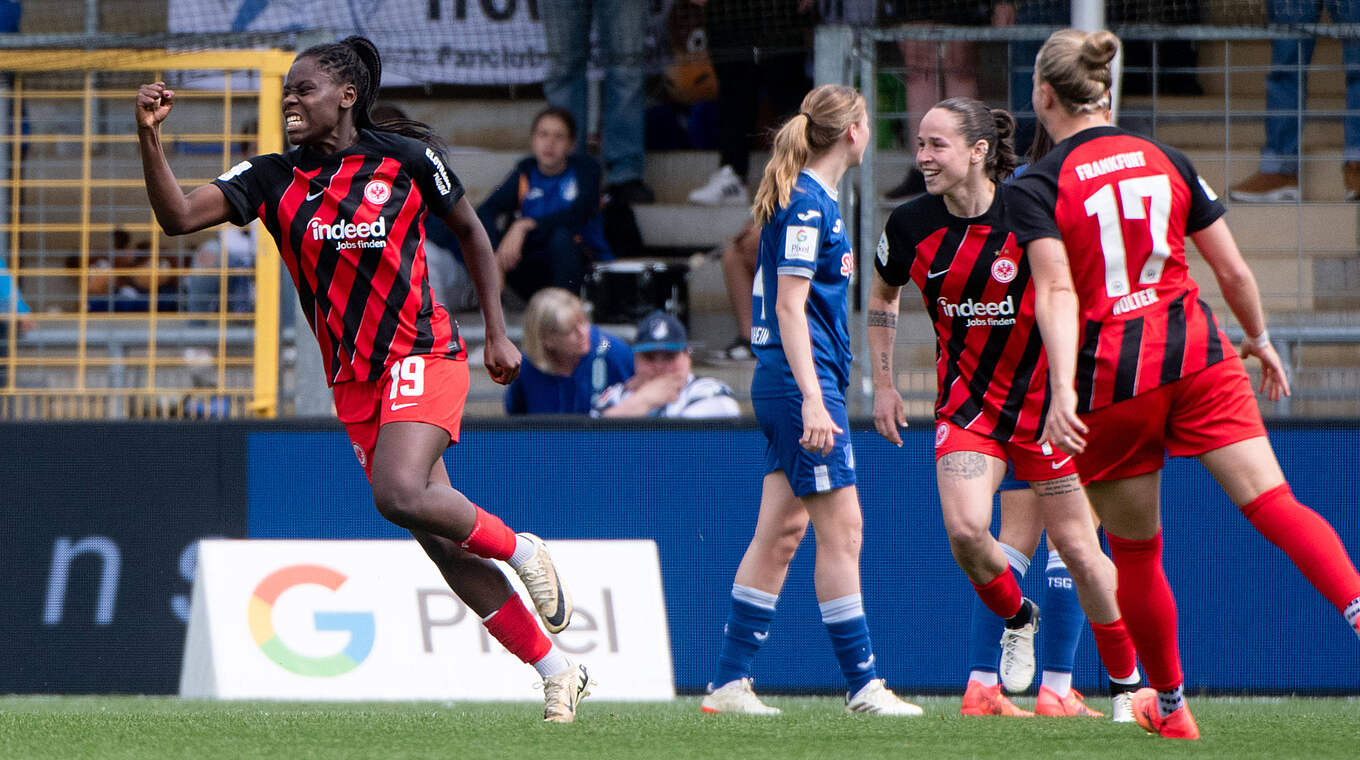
point(150, 728)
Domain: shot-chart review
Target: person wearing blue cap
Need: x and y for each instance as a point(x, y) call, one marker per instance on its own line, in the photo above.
point(663, 384)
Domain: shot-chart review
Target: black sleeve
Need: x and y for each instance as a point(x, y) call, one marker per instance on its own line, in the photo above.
point(439, 186)
point(1031, 202)
point(1205, 207)
point(896, 248)
point(249, 184)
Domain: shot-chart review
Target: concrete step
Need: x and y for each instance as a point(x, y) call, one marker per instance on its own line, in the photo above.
point(1247, 62)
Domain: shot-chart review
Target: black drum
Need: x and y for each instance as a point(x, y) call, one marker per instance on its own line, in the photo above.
point(623, 292)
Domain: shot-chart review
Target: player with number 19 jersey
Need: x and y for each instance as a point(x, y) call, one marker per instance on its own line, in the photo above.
point(350, 228)
point(1122, 205)
point(807, 238)
point(991, 370)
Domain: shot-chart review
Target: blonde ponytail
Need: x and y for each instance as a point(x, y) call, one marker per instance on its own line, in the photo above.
point(1076, 65)
point(826, 113)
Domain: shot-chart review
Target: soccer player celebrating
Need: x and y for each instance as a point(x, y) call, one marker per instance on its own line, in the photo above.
point(955, 243)
point(1139, 366)
point(346, 209)
point(802, 345)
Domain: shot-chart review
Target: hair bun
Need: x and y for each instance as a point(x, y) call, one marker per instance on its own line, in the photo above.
point(1099, 49)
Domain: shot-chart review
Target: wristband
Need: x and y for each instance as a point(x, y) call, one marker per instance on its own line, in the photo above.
point(1260, 341)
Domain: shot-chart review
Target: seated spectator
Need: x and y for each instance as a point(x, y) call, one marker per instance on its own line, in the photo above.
point(202, 291)
point(663, 385)
point(544, 219)
point(129, 290)
point(13, 311)
point(568, 362)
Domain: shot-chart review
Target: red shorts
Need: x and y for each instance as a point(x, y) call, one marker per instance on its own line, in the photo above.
point(1032, 461)
point(1208, 410)
point(429, 389)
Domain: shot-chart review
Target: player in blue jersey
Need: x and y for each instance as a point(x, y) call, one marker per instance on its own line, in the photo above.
point(802, 345)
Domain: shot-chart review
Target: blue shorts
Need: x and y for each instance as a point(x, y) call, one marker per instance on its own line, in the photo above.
point(781, 419)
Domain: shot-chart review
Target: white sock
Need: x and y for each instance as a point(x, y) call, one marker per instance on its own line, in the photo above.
point(1352, 611)
point(1058, 682)
point(554, 662)
point(524, 551)
point(984, 677)
point(1016, 559)
point(1132, 679)
point(1170, 701)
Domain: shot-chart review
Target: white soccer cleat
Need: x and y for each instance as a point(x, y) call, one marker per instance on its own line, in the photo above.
point(1121, 707)
point(563, 692)
point(877, 699)
point(1017, 654)
point(545, 589)
point(736, 697)
point(723, 188)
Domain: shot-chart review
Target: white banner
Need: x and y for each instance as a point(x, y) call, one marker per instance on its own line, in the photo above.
point(367, 620)
point(452, 41)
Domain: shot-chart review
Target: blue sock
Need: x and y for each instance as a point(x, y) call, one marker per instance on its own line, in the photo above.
point(747, 626)
point(845, 622)
point(1063, 618)
point(984, 634)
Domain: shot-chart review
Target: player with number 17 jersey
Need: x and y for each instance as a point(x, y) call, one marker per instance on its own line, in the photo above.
point(807, 238)
point(1133, 201)
point(991, 370)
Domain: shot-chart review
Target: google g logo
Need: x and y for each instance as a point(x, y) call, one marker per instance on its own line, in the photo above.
point(360, 625)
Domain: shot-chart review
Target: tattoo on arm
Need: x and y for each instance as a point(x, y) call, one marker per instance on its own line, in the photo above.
point(882, 319)
point(884, 363)
point(1058, 486)
point(964, 465)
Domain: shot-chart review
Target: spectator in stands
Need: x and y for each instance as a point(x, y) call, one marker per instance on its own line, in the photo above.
point(11, 303)
point(232, 247)
point(754, 46)
point(568, 362)
point(664, 385)
point(544, 219)
point(621, 27)
point(739, 275)
point(1277, 180)
point(129, 290)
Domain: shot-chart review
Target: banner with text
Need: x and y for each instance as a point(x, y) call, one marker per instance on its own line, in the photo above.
point(452, 41)
point(357, 620)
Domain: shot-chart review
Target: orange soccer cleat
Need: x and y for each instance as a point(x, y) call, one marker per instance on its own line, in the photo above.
point(1178, 725)
point(988, 700)
point(1071, 706)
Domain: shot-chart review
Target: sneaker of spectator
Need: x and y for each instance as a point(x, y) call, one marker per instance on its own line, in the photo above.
point(1268, 187)
point(723, 188)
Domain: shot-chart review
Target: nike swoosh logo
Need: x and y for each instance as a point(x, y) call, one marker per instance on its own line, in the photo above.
point(807, 215)
point(866, 664)
point(1056, 465)
point(558, 620)
point(760, 636)
point(395, 407)
point(315, 195)
point(933, 275)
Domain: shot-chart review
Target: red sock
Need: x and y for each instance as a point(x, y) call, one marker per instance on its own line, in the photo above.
point(1001, 594)
point(1309, 540)
point(1148, 606)
point(517, 630)
point(1116, 648)
point(489, 537)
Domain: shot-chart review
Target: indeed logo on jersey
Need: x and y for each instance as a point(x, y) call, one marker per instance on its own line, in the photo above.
point(350, 235)
point(981, 313)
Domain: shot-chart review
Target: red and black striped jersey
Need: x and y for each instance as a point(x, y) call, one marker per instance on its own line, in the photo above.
point(1122, 205)
point(350, 228)
point(989, 360)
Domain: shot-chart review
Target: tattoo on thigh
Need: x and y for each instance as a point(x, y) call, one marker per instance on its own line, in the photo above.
point(882, 319)
point(1058, 486)
point(964, 465)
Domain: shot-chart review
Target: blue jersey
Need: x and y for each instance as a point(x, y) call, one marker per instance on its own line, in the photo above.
point(806, 239)
point(610, 361)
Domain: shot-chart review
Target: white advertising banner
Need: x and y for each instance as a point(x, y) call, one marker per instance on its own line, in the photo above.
point(454, 41)
point(374, 620)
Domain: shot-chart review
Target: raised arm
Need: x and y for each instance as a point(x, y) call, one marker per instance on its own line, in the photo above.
point(178, 213)
point(1055, 307)
point(890, 416)
point(502, 358)
point(1239, 289)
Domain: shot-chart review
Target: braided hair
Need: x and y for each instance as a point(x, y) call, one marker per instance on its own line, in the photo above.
point(355, 60)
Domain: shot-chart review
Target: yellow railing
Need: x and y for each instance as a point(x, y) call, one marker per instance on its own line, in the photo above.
point(73, 178)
